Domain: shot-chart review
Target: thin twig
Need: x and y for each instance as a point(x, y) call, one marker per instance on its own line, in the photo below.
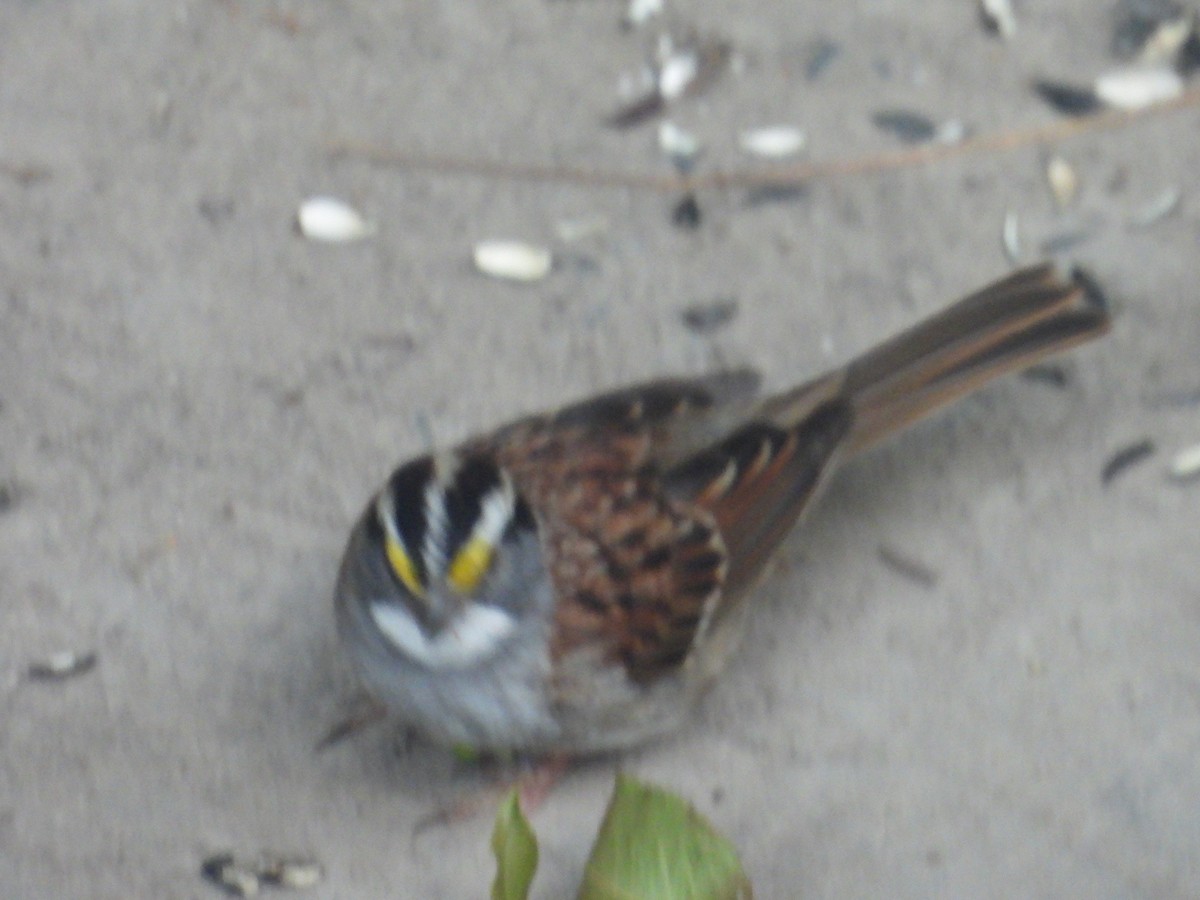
point(910, 157)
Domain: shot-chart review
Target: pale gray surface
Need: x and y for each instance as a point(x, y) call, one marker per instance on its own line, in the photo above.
point(195, 403)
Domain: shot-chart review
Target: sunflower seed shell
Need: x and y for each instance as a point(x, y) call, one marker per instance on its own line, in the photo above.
point(773, 142)
point(1138, 88)
point(332, 221)
point(513, 260)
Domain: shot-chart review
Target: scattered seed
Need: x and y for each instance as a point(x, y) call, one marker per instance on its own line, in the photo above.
point(1124, 458)
point(1166, 43)
point(1186, 464)
point(823, 53)
point(1064, 183)
point(640, 11)
point(773, 142)
point(1158, 208)
point(1138, 88)
point(1067, 99)
point(678, 145)
point(1140, 23)
point(513, 260)
point(903, 564)
point(705, 318)
point(1010, 237)
point(240, 879)
point(332, 221)
point(686, 213)
point(712, 59)
point(1052, 374)
point(641, 100)
point(677, 74)
point(637, 111)
point(296, 873)
point(230, 876)
point(910, 127)
point(951, 132)
point(999, 17)
point(63, 665)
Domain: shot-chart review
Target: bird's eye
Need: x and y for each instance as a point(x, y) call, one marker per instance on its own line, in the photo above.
point(403, 567)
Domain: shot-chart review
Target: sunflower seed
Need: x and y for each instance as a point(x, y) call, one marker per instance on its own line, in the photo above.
point(61, 666)
point(912, 569)
point(678, 145)
point(1064, 183)
point(332, 221)
point(1186, 464)
point(640, 11)
point(290, 873)
point(823, 53)
point(1158, 208)
point(1167, 41)
point(686, 213)
point(691, 70)
point(1151, 31)
point(513, 260)
point(999, 17)
point(1067, 98)
point(705, 318)
point(637, 111)
point(677, 74)
point(1126, 457)
point(910, 127)
point(1137, 88)
point(230, 876)
point(772, 142)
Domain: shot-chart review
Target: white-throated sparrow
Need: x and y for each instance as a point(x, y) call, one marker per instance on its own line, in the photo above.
point(572, 581)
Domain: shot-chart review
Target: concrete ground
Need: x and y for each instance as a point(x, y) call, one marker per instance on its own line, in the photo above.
point(195, 402)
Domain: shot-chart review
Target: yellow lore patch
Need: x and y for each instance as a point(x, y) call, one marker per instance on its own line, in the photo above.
point(470, 564)
point(403, 566)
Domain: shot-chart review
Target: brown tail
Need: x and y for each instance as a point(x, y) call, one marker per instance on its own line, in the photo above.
point(757, 481)
point(1005, 327)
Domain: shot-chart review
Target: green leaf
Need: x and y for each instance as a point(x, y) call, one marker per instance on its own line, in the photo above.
point(515, 847)
point(652, 844)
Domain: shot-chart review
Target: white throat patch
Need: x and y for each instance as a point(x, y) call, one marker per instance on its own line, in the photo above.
point(469, 639)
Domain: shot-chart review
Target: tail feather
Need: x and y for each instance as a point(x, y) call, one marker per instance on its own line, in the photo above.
point(1003, 328)
point(758, 480)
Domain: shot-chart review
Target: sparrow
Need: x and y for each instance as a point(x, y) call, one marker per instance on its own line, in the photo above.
point(573, 581)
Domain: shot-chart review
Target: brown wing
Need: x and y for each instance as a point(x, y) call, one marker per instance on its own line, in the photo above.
point(644, 566)
point(758, 481)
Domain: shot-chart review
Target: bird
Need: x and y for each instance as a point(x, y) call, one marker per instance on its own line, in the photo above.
point(572, 582)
